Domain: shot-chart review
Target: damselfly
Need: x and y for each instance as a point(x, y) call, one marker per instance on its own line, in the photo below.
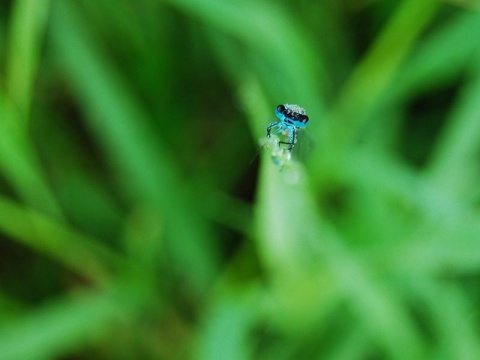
point(291, 118)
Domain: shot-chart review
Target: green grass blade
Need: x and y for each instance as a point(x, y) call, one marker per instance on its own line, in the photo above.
point(122, 128)
point(277, 38)
point(20, 165)
point(454, 162)
point(230, 318)
point(453, 318)
point(294, 242)
point(440, 58)
point(68, 324)
point(27, 30)
point(377, 69)
point(45, 235)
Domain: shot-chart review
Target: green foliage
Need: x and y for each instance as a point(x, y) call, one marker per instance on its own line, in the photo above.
point(134, 225)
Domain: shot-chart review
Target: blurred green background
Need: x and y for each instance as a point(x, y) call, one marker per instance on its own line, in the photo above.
point(133, 224)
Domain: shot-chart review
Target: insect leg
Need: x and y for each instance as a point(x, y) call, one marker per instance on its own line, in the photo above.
point(292, 136)
point(269, 128)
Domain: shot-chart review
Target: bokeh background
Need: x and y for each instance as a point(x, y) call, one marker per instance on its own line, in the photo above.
point(135, 225)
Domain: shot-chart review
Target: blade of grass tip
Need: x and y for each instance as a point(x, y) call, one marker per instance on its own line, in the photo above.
point(19, 164)
point(68, 324)
point(453, 163)
point(294, 240)
point(46, 236)
point(121, 127)
point(374, 73)
point(27, 29)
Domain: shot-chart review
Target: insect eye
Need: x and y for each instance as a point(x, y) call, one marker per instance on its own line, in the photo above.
point(280, 109)
point(305, 118)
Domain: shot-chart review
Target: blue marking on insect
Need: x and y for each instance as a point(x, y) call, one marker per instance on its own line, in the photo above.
point(291, 118)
